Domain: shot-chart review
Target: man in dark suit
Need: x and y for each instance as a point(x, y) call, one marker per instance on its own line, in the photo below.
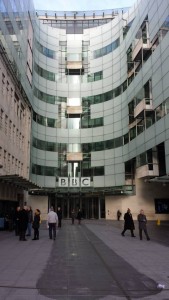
point(59, 213)
point(128, 223)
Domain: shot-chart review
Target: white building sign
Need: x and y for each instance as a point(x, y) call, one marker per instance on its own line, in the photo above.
point(63, 181)
point(74, 182)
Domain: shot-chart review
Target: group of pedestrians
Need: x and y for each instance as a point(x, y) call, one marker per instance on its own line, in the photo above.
point(78, 216)
point(129, 224)
point(24, 221)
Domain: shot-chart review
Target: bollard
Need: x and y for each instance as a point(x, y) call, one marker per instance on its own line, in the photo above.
point(158, 222)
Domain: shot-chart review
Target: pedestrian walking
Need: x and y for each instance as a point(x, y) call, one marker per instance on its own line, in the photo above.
point(142, 223)
point(118, 215)
point(79, 216)
point(73, 216)
point(128, 223)
point(36, 224)
point(59, 214)
point(52, 221)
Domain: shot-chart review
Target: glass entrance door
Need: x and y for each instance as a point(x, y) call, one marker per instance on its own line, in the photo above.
point(92, 206)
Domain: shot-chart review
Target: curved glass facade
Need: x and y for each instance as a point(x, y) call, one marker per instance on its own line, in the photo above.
point(119, 108)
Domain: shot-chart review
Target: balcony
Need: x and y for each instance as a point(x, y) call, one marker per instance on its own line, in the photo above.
point(148, 170)
point(74, 65)
point(134, 123)
point(140, 49)
point(74, 156)
point(145, 104)
point(74, 110)
point(133, 68)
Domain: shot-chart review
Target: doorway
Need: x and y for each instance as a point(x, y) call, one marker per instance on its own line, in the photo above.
point(92, 206)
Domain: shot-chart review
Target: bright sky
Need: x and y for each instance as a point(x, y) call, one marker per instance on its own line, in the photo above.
point(81, 5)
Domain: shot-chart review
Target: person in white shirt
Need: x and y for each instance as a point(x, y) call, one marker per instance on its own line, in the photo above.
point(52, 221)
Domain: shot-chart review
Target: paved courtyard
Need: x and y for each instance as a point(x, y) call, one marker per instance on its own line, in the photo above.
point(86, 262)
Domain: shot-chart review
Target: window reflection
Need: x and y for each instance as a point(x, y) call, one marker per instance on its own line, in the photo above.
point(73, 123)
point(74, 148)
point(73, 101)
point(74, 56)
point(74, 169)
point(75, 79)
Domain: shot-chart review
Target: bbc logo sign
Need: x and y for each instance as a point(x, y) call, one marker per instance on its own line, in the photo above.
point(74, 182)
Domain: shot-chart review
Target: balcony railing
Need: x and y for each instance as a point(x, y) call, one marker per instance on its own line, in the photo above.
point(74, 110)
point(144, 171)
point(140, 45)
point(74, 65)
point(145, 104)
point(74, 156)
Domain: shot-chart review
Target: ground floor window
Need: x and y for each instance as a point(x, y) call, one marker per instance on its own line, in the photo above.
point(161, 206)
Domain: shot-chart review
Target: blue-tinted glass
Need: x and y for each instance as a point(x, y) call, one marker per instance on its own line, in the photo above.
point(109, 48)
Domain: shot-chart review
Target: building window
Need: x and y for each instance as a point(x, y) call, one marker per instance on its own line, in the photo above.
point(0, 157)
point(5, 159)
point(106, 50)
point(95, 76)
point(9, 162)
point(1, 119)
point(14, 133)
point(45, 51)
point(44, 73)
point(161, 206)
point(13, 165)
point(6, 124)
point(10, 129)
point(3, 83)
point(17, 137)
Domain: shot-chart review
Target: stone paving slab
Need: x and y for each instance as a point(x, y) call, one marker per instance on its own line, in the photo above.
point(87, 262)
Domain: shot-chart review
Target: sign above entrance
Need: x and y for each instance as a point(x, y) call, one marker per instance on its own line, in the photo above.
point(74, 181)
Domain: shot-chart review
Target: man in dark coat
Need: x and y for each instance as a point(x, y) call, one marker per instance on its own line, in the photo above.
point(79, 216)
point(30, 220)
point(128, 223)
point(142, 223)
point(59, 213)
point(36, 224)
point(118, 215)
point(23, 223)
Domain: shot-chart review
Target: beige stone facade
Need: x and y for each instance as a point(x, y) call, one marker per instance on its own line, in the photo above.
point(40, 202)
point(15, 127)
point(146, 192)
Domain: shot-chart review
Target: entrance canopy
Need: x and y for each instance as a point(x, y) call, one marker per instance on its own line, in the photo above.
point(162, 179)
point(18, 181)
